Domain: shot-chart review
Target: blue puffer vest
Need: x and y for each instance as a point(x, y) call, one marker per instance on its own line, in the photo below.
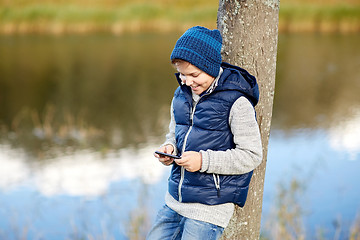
point(208, 128)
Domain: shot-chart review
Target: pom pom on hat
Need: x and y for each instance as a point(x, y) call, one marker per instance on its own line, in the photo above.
point(201, 47)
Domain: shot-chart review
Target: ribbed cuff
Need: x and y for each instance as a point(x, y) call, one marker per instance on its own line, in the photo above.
point(205, 161)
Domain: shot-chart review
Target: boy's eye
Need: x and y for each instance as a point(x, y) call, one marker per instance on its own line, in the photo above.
point(183, 77)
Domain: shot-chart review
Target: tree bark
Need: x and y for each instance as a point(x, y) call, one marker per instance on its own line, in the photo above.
point(250, 35)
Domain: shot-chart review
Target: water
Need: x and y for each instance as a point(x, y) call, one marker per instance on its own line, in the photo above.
point(81, 115)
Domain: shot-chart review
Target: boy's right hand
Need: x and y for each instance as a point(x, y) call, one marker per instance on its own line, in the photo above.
point(166, 149)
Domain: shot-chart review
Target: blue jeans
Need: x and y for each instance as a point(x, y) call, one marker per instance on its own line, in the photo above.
point(169, 225)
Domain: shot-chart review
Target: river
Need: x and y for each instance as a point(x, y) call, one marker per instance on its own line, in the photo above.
point(80, 116)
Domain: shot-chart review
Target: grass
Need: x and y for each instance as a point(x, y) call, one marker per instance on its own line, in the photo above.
point(286, 220)
point(44, 17)
point(111, 15)
point(319, 18)
point(45, 135)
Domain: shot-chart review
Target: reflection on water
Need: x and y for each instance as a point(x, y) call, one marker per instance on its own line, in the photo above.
point(83, 173)
point(317, 81)
point(328, 177)
point(79, 196)
point(100, 91)
point(345, 136)
point(81, 115)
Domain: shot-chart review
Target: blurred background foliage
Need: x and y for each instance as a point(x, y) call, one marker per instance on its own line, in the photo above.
point(118, 16)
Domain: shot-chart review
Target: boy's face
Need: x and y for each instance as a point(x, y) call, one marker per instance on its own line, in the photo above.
point(198, 80)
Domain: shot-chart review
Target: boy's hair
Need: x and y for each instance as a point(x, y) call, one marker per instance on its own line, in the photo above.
point(175, 61)
point(201, 47)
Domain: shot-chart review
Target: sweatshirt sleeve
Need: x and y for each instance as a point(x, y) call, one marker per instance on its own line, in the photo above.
point(247, 154)
point(170, 136)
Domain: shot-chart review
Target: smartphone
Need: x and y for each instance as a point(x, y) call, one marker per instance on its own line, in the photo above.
point(167, 155)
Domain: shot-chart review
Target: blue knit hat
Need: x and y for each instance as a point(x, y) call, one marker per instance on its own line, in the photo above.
point(201, 47)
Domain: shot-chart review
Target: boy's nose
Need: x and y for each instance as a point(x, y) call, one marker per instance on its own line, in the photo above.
point(188, 81)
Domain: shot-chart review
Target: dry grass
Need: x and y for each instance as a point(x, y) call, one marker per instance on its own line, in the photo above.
point(163, 15)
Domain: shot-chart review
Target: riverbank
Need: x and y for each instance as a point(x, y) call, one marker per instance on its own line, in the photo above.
point(161, 16)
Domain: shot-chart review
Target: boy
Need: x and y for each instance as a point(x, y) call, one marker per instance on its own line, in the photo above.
point(213, 128)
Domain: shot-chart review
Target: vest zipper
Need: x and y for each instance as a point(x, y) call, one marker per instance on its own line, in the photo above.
point(217, 183)
point(182, 172)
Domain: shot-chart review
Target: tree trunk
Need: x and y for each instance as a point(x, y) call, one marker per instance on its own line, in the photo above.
point(250, 35)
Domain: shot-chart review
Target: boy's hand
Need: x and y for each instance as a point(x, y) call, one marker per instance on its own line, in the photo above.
point(165, 149)
point(191, 161)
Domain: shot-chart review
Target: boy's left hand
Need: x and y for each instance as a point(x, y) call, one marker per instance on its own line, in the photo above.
point(191, 161)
